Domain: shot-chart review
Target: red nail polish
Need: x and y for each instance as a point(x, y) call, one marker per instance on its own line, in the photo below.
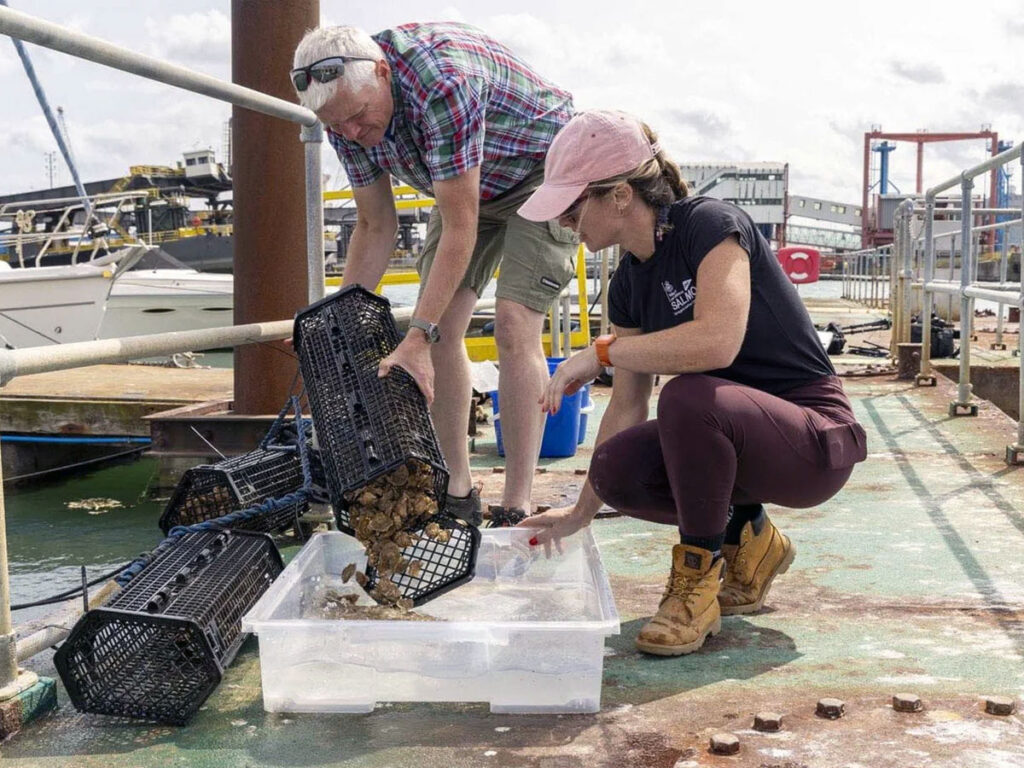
point(533, 542)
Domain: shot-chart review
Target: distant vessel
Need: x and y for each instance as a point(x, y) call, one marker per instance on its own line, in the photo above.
point(150, 204)
point(60, 304)
point(146, 301)
point(153, 204)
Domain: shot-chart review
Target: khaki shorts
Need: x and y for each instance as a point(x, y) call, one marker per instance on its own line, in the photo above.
point(536, 258)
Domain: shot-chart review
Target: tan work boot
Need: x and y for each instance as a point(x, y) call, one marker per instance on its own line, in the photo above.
point(752, 564)
point(689, 611)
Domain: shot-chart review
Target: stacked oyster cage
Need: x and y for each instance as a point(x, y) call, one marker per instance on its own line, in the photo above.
point(211, 491)
point(160, 646)
point(368, 427)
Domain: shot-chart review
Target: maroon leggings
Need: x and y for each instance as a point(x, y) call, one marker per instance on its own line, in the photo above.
point(716, 443)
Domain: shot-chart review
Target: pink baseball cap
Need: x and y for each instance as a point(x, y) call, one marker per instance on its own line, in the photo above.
point(594, 145)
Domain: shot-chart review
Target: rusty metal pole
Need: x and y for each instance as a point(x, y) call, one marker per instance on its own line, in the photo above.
point(866, 242)
point(269, 195)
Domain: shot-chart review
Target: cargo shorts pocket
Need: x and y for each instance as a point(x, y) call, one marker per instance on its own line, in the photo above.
point(557, 265)
point(562, 234)
point(843, 446)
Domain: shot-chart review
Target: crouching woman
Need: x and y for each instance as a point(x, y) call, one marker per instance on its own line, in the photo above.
point(754, 412)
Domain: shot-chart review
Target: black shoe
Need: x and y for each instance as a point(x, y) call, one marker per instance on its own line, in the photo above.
point(502, 517)
point(465, 507)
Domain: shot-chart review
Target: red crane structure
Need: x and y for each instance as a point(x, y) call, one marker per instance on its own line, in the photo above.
point(872, 235)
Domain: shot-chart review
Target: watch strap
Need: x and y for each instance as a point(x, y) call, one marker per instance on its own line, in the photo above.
point(429, 329)
point(601, 346)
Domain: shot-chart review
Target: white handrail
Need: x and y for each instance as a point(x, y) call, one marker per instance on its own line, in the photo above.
point(82, 46)
point(16, 362)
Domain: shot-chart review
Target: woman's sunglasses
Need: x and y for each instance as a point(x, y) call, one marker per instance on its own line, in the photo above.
point(573, 212)
point(323, 71)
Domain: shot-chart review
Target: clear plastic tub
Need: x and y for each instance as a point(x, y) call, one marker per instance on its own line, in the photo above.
point(526, 635)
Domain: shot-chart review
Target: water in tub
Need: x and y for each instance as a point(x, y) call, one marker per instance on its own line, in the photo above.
point(475, 634)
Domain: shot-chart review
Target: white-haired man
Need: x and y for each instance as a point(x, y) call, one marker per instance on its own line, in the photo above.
point(455, 114)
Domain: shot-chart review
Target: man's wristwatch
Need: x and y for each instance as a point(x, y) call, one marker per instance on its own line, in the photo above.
point(431, 330)
point(601, 345)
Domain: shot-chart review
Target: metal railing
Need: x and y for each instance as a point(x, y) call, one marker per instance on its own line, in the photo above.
point(867, 276)
point(64, 236)
point(53, 36)
point(62, 357)
point(914, 270)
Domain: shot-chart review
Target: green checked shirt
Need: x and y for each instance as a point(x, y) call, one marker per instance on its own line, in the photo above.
point(462, 100)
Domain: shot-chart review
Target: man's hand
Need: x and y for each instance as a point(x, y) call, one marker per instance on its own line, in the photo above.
point(413, 355)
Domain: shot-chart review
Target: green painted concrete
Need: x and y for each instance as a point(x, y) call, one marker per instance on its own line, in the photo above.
point(21, 710)
point(910, 579)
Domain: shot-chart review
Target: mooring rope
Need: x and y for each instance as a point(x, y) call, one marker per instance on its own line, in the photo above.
point(268, 507)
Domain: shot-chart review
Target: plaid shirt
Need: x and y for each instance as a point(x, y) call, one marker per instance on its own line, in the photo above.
point(462, 100)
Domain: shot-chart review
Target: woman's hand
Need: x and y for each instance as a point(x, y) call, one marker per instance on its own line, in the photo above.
point(569, 376)
point(554, 525)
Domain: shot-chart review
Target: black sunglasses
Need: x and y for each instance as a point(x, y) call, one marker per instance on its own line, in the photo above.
point(573, 211)
point(323, 71)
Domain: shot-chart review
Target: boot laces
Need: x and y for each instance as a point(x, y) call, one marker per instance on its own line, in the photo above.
point(682, 586)
point(741, 555)
point(742, 551)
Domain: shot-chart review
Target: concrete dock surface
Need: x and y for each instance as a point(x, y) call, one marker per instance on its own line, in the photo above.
point(910, 580)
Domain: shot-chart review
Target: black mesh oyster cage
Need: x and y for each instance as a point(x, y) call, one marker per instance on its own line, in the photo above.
point(444, 565)
point(160, 646)
point(210, 491)
point(368, 426)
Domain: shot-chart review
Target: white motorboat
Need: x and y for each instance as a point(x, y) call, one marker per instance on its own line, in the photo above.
point(40, 306)
point(146, 301)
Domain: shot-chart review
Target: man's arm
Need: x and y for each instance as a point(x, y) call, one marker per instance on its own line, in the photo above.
point(458, 201)
point(373, 241)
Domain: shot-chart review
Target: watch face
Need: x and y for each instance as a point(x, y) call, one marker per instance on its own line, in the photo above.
point(430, 330)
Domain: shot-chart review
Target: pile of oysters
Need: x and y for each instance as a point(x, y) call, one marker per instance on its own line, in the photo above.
point(384, 515)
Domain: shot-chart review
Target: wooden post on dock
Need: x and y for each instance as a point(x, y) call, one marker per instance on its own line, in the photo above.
point(269, 196)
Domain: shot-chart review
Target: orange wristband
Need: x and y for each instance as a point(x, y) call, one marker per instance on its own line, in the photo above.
point(601, 346)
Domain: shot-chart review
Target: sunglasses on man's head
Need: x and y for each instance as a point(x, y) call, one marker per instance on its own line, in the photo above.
point(323, 71)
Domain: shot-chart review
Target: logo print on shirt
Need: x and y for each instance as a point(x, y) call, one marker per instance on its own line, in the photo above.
point(682, 299)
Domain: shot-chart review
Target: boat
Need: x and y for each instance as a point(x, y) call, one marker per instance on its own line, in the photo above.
point(40, 306)
point(150, 203)
point(145, 301)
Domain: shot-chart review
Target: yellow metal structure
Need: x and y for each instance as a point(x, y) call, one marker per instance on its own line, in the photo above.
point(398, 277)
point(405, 197)
point(483, 347)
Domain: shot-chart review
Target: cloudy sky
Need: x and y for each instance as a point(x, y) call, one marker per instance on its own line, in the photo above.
point(786, 81)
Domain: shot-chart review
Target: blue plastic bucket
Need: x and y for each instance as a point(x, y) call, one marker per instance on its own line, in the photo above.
point(586, 408)
point(561, 431)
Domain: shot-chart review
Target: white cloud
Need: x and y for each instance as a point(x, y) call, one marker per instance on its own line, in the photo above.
point(452, 13)
point(200, 38)
point(795, 82)
point(9, 64)
point(918, 73)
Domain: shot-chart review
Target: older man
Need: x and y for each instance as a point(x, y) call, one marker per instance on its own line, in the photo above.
point(455, 114)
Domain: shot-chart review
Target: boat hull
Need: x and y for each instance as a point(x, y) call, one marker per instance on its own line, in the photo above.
point(163, 300)
point(40, 306)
